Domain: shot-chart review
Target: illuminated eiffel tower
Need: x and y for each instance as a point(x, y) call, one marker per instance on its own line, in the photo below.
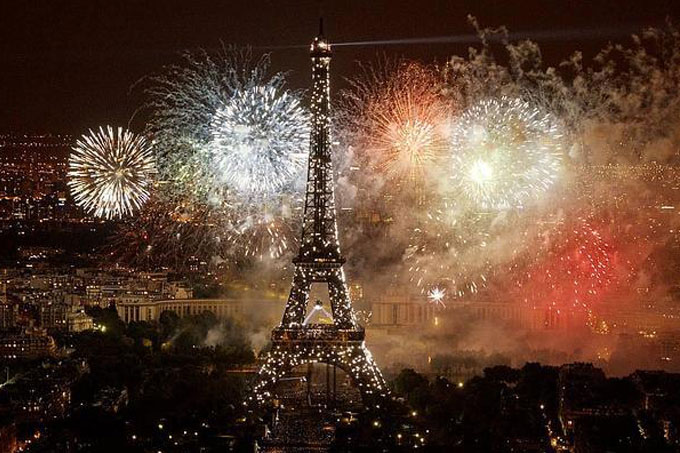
point(298, 341)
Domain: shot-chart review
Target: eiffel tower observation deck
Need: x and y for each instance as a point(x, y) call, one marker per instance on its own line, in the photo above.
point(297, 340)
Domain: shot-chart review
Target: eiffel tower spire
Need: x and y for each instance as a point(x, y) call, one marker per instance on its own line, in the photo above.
point(319, 231)
point(296, 341)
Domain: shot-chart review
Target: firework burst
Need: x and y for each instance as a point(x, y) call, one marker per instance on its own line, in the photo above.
point(164, 234)
point(393, 116)
point(259, 141)
point(505, 153)
point(111, 172)
point(233, 141)
point(436, 296)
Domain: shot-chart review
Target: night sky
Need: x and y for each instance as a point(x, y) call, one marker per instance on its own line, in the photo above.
point(69, 65)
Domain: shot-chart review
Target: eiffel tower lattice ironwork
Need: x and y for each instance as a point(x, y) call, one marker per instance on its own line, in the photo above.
point(295, 341)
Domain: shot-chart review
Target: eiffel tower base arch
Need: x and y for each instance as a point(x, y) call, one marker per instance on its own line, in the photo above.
point(321, 344)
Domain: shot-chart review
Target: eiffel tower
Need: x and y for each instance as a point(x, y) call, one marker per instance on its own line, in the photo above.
point(296, 341)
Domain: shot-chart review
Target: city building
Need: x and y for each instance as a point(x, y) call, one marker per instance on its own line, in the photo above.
point(79, 321)
point(8, 315)
point(30, 344)
point(130, 311)
point(53, 316)
point(396, 310)
point(33, 179)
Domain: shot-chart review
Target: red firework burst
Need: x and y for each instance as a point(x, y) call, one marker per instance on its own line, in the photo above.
point(574, 266)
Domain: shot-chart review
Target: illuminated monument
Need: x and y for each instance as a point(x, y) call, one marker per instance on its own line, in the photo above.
point(297, 341)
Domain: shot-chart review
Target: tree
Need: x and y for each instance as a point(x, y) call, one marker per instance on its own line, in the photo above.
point(502, 373)
point(169, 323)
point(408, 381)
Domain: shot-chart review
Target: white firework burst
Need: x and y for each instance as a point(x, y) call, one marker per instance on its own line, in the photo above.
point(259, 141)
point(233, 140)
point(436, 296)
point(111, 172)
point(505, 153)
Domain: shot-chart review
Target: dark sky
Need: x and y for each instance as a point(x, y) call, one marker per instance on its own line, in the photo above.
point(69, 65)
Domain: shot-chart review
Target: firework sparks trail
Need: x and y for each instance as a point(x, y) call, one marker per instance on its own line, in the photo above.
point(265, 234)
point(448, 252)
point(111, 172)
point(505, 153)
point(579, 266)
